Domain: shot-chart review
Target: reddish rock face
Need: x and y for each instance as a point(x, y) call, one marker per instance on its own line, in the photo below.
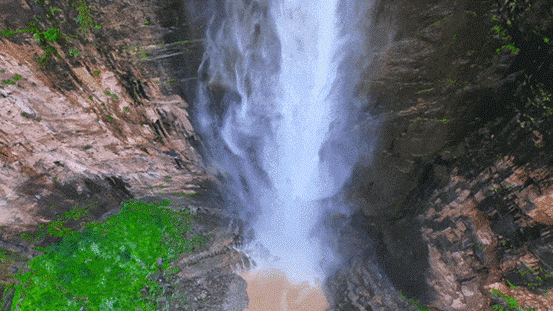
point(108, 116)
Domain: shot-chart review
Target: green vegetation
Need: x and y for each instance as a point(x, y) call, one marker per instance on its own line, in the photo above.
point(53, 10)
point(12, 81)
point(507, 47)
point(416, 304)
point(8, 32)
point(441, 20)
point(47, 56)
point(511, 285)
point(106, 266)
point(500, 32)
point(425, 90)
point(522, 25)
point(50, 34)
point(74, 53)
point(56, 226)
point(512, 302)
point(132, 48)
point(53, 34)
point(114, 96)
point(538, 277)
point(85, 16)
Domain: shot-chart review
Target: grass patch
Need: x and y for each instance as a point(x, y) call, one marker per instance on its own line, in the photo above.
point(106, 266)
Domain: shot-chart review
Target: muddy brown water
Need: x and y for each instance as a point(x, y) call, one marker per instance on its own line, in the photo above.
point(271, 290)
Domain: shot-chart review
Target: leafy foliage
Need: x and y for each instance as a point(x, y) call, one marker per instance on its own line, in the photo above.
point(106, 265)
point(85, 18)
point(51, 34)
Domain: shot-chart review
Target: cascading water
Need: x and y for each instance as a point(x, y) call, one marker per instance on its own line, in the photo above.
point(279, 117)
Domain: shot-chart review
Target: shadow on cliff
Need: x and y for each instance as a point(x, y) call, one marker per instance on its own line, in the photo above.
point(101, 198)
point(397, 242)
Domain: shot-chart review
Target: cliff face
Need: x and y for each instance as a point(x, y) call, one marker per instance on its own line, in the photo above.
point(457, 200)
point(458, 195)
point(88, 109)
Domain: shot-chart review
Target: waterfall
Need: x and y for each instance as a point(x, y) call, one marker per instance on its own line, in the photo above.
point(280, 120)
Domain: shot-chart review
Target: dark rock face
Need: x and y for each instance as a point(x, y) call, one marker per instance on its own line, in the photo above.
point(449, 214)
point(420, 82)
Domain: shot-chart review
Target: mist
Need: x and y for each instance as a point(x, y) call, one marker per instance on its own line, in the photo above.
point(281, 121)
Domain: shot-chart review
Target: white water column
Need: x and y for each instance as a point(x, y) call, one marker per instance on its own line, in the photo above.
point(308, 35)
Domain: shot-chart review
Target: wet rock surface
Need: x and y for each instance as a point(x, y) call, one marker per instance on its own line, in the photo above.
point(447, 212)
point(457, 203)
point(206, 280)
point(486, 231)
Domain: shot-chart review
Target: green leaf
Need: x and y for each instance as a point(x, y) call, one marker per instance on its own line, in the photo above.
point(52, 34)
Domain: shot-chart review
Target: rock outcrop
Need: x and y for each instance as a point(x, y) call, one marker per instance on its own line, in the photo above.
point(91, 114)
point(457, 199)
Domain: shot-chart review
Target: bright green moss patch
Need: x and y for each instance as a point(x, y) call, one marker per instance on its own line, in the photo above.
point(105, 267)
point(3, 253)
point(8, 32)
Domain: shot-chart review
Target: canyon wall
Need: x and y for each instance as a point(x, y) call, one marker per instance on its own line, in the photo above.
point(89, 107)
point(457, 197)
point(458, 194)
